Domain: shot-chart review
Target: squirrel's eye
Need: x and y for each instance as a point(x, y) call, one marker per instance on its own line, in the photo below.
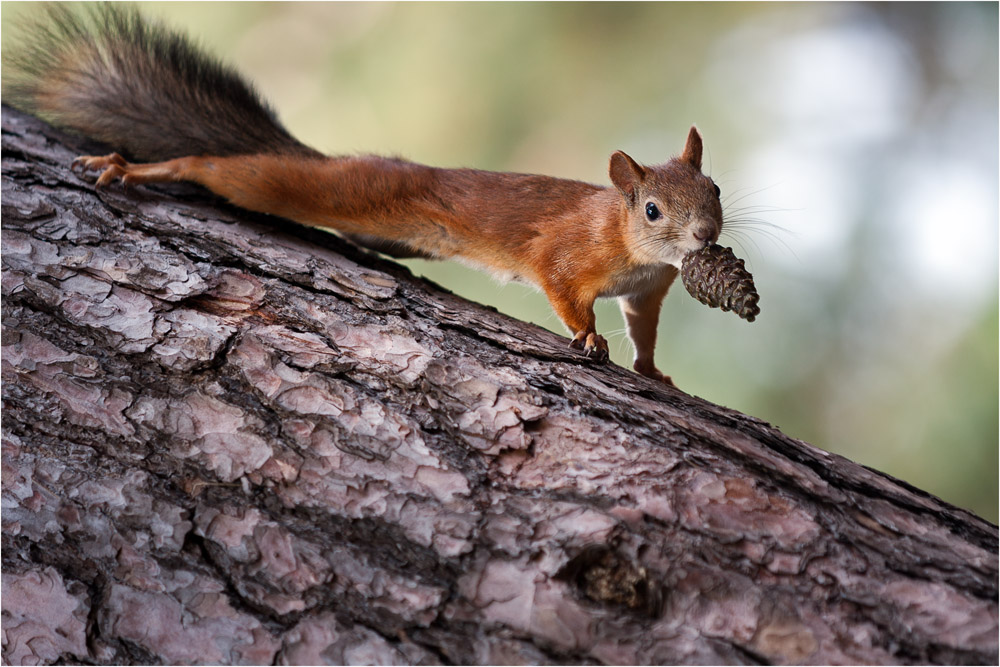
point(718, 192)
point(652, 212)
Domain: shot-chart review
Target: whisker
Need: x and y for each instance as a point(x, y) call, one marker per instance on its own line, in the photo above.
point(659, 242)
point(620, 335)
point(759, 226)
point(755, 209)
point(738, 239)
point(773, 238)
point(762, 227)
point(616, 332)
point(668, 235)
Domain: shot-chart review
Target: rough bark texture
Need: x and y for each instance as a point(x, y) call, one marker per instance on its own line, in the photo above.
point(227, 439)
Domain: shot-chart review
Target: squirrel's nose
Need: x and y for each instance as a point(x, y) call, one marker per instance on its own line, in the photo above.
point(702, 234)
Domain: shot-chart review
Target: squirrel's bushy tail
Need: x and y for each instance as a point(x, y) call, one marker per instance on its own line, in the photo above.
point(145, 90)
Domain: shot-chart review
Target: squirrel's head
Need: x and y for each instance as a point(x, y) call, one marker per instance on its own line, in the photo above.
point(672, 208)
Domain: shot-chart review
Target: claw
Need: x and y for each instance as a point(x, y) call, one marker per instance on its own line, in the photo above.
point(593, 346)
point(114, 166)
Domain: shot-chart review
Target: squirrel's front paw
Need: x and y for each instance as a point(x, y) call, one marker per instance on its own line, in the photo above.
point(593, 345)
point(114, 166)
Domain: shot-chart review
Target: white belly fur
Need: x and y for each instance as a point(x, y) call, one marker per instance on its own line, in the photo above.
point(638, 280)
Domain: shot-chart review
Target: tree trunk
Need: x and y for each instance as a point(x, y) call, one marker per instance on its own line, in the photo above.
point(229, 439)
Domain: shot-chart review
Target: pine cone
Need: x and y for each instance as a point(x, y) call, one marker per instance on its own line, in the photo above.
point(716, 277)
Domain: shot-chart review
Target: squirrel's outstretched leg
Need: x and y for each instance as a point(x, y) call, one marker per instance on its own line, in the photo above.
point(114, 167)
point(289, 186)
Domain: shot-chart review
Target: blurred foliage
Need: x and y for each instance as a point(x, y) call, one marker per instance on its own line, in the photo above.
point(856, 146)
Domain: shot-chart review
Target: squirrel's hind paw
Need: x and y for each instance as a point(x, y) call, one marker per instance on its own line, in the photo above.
point(592, 344)
point(114, 167)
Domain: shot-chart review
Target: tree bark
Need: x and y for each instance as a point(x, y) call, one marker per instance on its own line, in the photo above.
point(230, 439)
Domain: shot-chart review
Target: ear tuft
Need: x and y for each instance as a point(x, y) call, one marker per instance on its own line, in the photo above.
point(627, 175)
point(693, 149)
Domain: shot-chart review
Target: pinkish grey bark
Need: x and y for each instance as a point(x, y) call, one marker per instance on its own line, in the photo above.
point(228, 441)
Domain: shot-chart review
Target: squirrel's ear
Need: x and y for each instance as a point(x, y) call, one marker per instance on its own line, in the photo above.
point(692, 149)
point(626, 174)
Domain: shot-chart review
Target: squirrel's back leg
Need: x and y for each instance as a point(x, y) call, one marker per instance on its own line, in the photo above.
point(114, 167)
point(275, 184)
point(310, 190)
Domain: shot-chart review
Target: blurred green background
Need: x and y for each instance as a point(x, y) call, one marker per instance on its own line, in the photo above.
point(856, 146)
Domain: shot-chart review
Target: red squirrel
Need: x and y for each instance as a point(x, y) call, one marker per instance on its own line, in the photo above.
point(151, 94)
